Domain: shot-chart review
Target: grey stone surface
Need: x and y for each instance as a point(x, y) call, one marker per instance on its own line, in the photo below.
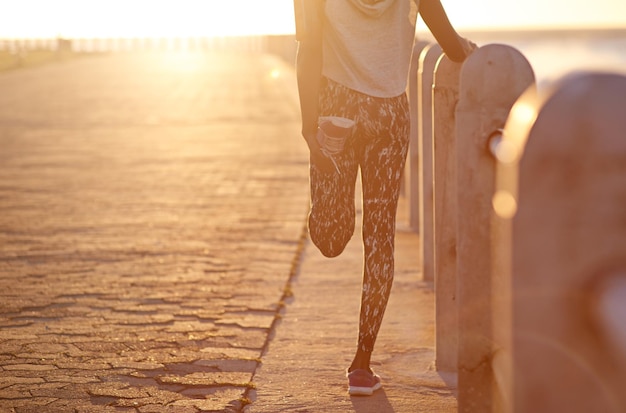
point(152, 255)
point(151, 207)
point(304, 368)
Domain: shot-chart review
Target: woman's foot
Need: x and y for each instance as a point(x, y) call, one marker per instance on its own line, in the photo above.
point(363, 382)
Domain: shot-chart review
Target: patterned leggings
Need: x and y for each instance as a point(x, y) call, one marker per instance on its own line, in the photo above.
point(379, 147)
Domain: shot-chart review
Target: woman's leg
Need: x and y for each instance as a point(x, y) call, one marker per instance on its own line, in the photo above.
point(332, 212)
point(382, 157)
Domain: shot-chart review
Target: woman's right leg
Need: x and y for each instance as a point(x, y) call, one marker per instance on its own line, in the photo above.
point(332, 214)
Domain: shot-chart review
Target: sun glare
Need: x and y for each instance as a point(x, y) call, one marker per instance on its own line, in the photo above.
point(145, 18)
point(204, 18)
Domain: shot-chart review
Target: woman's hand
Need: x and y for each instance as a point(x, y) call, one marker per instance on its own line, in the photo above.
point(468, 46)
point(317, 157)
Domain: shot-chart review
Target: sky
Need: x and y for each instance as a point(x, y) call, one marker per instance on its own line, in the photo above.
point(162, 18)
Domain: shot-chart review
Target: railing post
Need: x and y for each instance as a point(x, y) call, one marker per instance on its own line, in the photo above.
point(411, 170)
point(492, 79)
point(562, 186)
point(445, 97)
point(428, 59)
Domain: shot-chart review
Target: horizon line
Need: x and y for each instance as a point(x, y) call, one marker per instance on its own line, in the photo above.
point(419, 30)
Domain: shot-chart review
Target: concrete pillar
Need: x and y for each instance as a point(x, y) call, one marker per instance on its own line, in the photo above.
point(563, 185)
point(445, 97)
point(426, 69)
point(411, 170)
point(492, 79)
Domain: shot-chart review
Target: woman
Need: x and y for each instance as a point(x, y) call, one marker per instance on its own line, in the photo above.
point(352, 66)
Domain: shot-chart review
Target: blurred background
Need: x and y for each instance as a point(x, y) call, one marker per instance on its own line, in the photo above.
point(555, 35)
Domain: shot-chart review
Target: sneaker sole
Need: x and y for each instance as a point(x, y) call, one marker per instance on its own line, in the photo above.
point(363, 391)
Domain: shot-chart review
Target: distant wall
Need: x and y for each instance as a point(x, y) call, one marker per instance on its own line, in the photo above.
point(284, 46)
point(281, 45)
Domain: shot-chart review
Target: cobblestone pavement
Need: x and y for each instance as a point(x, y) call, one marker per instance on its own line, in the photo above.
point(151, 212)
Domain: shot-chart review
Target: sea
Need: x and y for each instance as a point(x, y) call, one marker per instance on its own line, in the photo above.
point(552, 53)
point(556, 53)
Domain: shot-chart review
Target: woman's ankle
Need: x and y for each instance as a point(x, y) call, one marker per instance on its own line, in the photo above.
point(361, 361)
point(356, 367)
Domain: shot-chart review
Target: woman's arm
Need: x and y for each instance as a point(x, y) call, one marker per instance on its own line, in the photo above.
point(309, 20)
point(454, 46)
point(309, 60)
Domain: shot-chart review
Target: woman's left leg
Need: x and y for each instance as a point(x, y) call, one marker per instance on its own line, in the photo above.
point(382, 159)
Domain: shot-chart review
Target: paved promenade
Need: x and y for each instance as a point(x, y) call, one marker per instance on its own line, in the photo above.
point(152, 249)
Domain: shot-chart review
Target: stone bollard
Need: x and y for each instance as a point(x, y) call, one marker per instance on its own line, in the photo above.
point(562, 191)
point(445, 97)
point(411, 170)
point(492, 79)
point(428, 60)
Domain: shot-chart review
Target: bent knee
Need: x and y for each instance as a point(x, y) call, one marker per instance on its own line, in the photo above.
point(330, 249)
point(331, 236)
point(330, 241)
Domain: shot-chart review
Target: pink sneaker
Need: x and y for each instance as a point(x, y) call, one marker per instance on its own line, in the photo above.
point(363, 383)
point(332, 135)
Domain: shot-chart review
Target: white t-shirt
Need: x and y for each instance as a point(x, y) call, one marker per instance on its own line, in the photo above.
point(368, 44)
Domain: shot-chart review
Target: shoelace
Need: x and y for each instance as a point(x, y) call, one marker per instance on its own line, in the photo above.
point(332, 145)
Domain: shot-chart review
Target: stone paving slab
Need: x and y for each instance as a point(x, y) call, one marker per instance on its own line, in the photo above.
point(304, 368)
point(151, 208)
